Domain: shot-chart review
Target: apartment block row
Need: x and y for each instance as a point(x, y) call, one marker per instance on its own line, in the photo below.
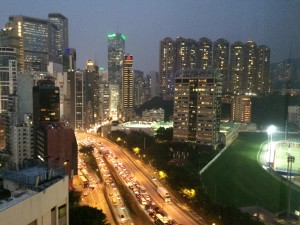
point(243, 66)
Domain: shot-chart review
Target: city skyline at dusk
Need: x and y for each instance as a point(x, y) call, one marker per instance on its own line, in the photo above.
point(271, 23)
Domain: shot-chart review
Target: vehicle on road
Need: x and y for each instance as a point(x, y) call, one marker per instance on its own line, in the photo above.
point(161, 220)
point(164, 194)
point(114, 201)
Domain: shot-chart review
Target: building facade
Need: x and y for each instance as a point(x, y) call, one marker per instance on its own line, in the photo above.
point(244, 66)
point(78, 109)
point(36, 41)
point(197, 107)
point(221, 61)
point(116, 52)
point(167, 67)
point(236, 69)
point(127, 87)
point(154, 83)
point(38, 202)
point(139, 88)
point(58, 146)
point(8, 74)
point(92, 96)
point(62, 34)
point(263, 70)
point(205, 53)
point(114, 101)
point(241, 109)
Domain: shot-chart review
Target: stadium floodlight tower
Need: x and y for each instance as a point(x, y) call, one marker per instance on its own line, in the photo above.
point(271, 129)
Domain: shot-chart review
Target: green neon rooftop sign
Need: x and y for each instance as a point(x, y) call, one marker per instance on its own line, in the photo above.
point(111, 35)
point(101, 68)
point(114, 35)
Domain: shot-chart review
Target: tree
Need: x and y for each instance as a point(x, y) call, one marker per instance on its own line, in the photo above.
point(163, 134)
point(86, 149)
point(87, 215)
point(74, 198)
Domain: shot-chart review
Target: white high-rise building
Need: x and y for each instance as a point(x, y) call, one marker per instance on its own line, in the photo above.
point(114, 101)
point(8, 71)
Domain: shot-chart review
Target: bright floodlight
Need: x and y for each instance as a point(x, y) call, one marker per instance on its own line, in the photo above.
point(271, 129)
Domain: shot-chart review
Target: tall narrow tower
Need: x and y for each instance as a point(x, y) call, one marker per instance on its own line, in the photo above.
point(116, 51)
point(8, 71)
point(127, 87)
point(205, 53)
point(166, 67)
point(250, 69)
point(220, 60)
point(62, 34)
point(264, 80)
point(236, 69)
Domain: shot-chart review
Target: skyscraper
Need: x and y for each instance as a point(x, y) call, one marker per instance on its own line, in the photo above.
point(77, 106)
point(197, 107)
point(104, 94)
point(236, 69)
point(250, 67)
point(8, 71)
point(181, 54)
point(114, 100)
point(139, 89)
point(167, 67)
point(36, 41)
point(92, 93)
point(221, 60)
point(127, 87)
point(116, 51)
point(45, 102)
point(264, 80)
point(62, 34)
point(205, 53)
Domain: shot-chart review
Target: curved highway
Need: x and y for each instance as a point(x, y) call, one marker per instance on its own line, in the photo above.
point(143, 176)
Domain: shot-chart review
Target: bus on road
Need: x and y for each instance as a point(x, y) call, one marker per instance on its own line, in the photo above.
point(84, 181)
point(161, 220)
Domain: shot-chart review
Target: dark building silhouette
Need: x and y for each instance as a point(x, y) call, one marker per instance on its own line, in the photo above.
point(54, 143)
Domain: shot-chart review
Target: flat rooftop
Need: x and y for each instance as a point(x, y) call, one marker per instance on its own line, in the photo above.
point(32, 180)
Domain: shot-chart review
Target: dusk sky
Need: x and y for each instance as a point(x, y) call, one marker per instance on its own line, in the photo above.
point(275, 23)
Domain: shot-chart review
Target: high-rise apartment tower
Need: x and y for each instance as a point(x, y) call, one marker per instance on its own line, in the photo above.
point(62, 34)
point(197, 107)
point(127, 87)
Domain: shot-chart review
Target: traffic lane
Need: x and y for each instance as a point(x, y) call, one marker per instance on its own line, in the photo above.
point(172, 210)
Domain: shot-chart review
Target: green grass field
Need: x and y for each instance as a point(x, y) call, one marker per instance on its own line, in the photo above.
point(237, 178)
point(282, 150)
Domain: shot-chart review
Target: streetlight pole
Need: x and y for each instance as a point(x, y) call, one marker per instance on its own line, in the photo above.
point(290, 161)
point(271, 129)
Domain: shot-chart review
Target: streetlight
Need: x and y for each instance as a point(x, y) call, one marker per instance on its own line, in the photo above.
point(65, 166)
point(271, 129)
point(290, 161)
